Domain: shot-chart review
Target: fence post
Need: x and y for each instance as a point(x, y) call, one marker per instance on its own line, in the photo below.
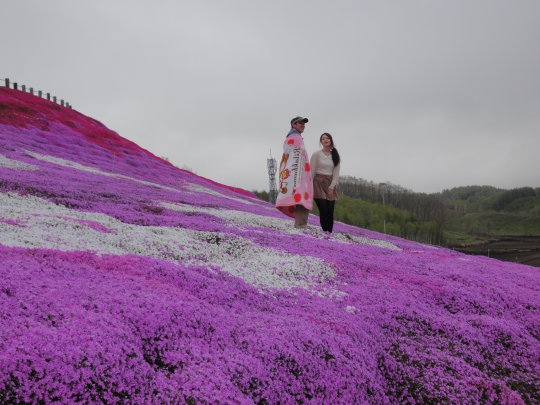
point(39, 93)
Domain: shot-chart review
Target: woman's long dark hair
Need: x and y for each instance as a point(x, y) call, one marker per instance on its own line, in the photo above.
point(335, 155)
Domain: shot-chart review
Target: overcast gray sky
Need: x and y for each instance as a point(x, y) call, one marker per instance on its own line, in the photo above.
point(425, 94)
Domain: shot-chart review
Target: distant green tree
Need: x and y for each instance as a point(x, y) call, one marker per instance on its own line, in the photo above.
point(511, 195)
point(469, 193)
point(263, 195)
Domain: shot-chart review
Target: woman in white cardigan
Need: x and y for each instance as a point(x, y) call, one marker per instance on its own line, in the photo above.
point(325, 165)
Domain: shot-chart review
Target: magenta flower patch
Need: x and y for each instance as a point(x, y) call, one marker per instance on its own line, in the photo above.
point(126, 280)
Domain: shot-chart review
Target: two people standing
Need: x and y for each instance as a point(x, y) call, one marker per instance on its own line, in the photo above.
point(302, 181)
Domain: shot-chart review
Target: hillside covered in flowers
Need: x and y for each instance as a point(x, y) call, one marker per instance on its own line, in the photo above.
point(126, 280)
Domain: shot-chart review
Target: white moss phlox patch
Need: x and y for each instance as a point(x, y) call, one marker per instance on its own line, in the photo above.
point(15, 164)
point(42, 224)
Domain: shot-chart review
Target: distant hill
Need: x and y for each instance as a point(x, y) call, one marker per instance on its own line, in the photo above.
point(523, 200)
point(485, 211)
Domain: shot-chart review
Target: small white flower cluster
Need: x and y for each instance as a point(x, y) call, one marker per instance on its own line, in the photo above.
point(345, 238)
point(42, 224)
point(350, 308)
point(15, 164)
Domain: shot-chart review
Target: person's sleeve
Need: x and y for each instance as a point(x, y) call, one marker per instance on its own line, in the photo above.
point(313, 163)
point(335, 176)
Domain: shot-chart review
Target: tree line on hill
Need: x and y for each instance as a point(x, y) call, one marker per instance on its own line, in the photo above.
point(482, 198)
point(425, 207)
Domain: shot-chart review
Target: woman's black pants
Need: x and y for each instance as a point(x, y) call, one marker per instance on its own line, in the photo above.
point(326, 213)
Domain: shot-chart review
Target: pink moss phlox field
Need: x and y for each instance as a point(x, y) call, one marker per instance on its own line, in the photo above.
point(126, 280)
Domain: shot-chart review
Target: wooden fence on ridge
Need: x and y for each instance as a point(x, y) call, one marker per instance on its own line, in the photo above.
point(40, 93)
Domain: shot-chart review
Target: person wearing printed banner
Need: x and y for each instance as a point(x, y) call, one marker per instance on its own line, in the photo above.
point(295, 191)
point(325, 165)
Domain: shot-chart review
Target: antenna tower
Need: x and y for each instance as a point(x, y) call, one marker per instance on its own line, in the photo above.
point(272, 189)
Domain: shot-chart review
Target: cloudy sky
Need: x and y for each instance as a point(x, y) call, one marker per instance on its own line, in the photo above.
point(425, 94)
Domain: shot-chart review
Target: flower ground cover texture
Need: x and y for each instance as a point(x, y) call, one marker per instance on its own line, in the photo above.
point(127, 280)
